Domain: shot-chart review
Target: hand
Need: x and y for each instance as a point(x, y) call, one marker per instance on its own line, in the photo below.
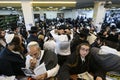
point(33, 63)
point(73, 77)
point(41, 77)
point(99, 78)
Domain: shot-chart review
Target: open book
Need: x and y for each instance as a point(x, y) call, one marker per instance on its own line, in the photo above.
point(2, 77)
point(86, 76)
point(37, 71)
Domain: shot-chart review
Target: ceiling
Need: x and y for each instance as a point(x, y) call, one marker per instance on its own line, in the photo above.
point(53, 4)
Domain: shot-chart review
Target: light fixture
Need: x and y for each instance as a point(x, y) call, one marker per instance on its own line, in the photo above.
point(55, 2)
point(50, 7)
point(9, 7)
point(43, 2)
point(63, 7)
point(108, 3)
point(10, 1)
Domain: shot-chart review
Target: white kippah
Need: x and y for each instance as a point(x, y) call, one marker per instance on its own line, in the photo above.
point(32, 43)
point(9, 37)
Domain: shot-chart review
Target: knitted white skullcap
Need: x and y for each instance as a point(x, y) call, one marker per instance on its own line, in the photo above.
point(9, 37)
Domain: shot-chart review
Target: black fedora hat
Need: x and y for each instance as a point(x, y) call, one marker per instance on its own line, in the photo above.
point(34, 29)
point(62, 27)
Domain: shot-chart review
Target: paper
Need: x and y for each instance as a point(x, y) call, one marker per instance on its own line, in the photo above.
point(28, 72)
point(37, 71)
point(40, 69)
point(7, 77)
point(85, 76)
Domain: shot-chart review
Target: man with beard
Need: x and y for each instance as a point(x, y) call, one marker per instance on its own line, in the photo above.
point(11, 59)
point(2, 39)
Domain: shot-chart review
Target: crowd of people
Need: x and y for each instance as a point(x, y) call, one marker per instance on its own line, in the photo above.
point(67, 47)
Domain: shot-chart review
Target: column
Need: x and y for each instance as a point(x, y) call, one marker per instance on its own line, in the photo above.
point(42, 16)
point(99, 14)
point(28, 14)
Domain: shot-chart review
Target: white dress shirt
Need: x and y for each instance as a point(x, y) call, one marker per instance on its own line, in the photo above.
point(50, 73)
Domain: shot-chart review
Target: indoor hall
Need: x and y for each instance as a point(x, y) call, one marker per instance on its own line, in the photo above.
point(58, 25)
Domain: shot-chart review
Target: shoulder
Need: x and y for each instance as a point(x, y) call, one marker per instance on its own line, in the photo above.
point(72, 58)
point(49, 53)
point(94, 50)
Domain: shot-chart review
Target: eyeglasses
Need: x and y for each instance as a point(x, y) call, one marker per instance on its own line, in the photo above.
point(83, 49)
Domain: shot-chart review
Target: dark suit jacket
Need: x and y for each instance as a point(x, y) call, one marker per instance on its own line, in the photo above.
point(109, 62)
point(32, 38)
point(11, 63)
point(74, 65)
point(50, 59)
point(35, 38)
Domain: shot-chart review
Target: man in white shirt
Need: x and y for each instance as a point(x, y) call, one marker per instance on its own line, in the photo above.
point(36, 57)
point(62, 48)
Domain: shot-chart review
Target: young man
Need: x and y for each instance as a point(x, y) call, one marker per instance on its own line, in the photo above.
point(11, 57)
point(77, 63)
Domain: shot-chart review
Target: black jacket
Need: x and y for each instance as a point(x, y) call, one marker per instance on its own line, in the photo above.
point(74, 65)
point(11, 63)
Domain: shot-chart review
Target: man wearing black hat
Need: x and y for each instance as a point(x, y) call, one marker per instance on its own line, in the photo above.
point(107, 56)
point(33, 34)
point(62, 48)
point(80, 39)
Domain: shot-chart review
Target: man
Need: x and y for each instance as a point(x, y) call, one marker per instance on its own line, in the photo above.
point(37, 57)
point(77, 63)
point(33, 35)
point(11, 57)
point(2, 39)
point(62, 40)
point(107, 56)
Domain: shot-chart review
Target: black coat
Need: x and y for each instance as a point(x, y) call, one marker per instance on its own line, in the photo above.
point(109, 62)
point(11, 63)
point(74, 43)
point(50, 59)
point(74, 65)
point(35, 38)
point(32, 38)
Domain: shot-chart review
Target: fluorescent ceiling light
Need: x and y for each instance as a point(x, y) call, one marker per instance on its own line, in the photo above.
point(43, 2)
point(10, 1)
point(50, 7)
point(55, 2)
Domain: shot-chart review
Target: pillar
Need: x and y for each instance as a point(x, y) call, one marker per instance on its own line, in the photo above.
point(28, 14)
point(99, 14)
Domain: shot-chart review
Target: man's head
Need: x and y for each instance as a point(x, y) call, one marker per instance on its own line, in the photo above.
point(2, 33)
point(83, 49)
point(14, 42)
point(33, 30)
point(61, 29)
point(34, 49)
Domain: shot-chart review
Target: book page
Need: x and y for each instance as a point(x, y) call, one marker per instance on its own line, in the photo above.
point(85, 76)
point(40, 69)
point(7, 77)
point(28, 72)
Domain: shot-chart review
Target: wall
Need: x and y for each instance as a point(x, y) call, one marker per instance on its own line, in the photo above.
point(7, 12)
point(49, 14)
point(53, 14)
point(71, 14)
point(87, 13)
